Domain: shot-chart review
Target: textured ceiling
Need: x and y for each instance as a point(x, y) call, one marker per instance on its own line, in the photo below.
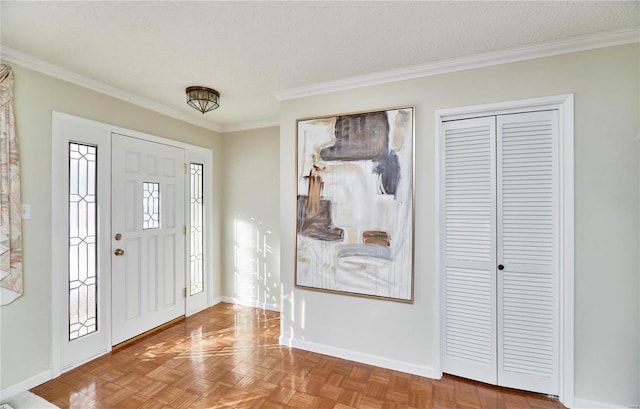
point(248, 50)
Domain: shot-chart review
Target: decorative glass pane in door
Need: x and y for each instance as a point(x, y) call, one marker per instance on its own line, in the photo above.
point(83, 317)
point(150, 205)
point(197, 226)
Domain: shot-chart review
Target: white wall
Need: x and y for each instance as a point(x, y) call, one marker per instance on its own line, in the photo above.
point(25, 325)
point(606, 87)
point(250, 208)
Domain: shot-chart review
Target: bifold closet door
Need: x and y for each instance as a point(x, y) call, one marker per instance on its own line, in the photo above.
point(528, 287)
point(468, 199)
point(499, 227)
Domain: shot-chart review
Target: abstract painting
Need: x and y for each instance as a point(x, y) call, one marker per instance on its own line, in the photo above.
point(354, 227)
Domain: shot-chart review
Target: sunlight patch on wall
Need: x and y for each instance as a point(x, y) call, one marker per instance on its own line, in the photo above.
point(253, 257)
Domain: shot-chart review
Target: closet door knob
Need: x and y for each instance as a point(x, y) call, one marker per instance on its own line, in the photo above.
point(500, 267)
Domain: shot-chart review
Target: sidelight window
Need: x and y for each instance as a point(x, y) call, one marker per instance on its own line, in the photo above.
point(82, 240)
point(197, 228)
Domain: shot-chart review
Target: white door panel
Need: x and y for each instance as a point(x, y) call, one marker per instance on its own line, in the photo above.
point(468, 228)
point(528, 287)
point(148, 211)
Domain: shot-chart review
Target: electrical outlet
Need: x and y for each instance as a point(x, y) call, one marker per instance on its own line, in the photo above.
point(26, 211)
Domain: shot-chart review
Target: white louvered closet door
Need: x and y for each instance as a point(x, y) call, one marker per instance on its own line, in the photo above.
point(469, 227)
point(528, 287)
point(499, 227)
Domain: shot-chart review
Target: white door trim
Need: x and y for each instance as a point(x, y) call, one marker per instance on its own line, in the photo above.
point(564, 104)
point(59, 216)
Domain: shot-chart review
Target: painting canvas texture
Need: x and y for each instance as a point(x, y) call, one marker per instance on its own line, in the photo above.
point(354, 229)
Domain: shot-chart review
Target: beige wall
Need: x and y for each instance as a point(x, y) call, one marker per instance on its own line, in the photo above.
point(606, 87)
point(25, 325)
point(250, 208)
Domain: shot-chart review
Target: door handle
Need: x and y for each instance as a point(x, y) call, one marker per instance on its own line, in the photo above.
point(119, 252)
point(500, 266)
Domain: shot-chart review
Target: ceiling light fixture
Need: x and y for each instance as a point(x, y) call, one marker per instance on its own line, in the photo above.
point(203, 99)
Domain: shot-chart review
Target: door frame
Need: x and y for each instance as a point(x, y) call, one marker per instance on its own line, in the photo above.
point(59, 217)
point(565, 107)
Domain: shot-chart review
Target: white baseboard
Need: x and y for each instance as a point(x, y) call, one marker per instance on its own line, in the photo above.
point(215, 301)
point(25, 385)
point(590, 404)
point(360, 357)
point(251, 303)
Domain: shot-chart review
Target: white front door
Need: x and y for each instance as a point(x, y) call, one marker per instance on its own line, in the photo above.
point(148, 235)
point(100, 299)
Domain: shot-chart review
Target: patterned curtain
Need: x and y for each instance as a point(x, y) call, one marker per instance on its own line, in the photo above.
point(10, 216)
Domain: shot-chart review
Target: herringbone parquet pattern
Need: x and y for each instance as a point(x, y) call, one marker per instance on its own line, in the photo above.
point(228, 357)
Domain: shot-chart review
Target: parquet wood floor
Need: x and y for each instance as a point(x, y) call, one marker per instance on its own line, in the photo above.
point(228, 357)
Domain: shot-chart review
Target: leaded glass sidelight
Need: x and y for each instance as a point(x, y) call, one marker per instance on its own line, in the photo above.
point(150, 205)
point(197, 228)
point(83, 306)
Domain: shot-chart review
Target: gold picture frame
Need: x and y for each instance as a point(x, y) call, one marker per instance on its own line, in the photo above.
point(355, 203)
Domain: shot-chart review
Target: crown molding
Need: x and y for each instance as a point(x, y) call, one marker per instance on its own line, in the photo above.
point(246, 126)
point(547, 49)
point(8, 54)
point(506, 56)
